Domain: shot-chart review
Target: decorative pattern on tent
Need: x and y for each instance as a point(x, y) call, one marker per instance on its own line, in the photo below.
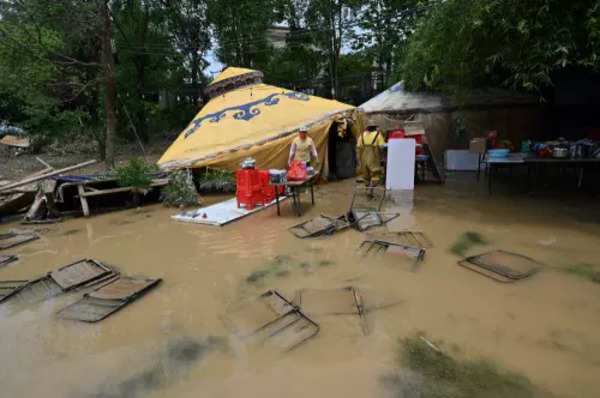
point(245, 111)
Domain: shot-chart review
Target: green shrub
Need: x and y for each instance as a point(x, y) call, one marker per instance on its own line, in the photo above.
point(217, 180)
point(136, 174)
point(180, 191)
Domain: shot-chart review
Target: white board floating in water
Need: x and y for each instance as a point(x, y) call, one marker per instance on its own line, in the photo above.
point(220, 213)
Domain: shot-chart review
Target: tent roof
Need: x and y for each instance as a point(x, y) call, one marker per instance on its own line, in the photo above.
point(397, 99)
point(244, 117)
point(231, 72)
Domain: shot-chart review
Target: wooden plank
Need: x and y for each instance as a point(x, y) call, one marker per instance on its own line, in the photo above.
point(44, 163)
point(100, 192)
point(44, 176)
point(159, 182)
point(84, 204)
point(35, 207)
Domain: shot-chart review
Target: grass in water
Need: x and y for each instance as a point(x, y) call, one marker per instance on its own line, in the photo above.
point(466, 241)
point(255, 276)
point(586, 271)
point(282, 266)
point(445, 376)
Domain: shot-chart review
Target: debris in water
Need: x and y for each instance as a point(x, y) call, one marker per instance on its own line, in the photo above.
point(319, 226)
point(379, 246)
point(548, 242)
point(367, 199)
point(5, 260)
point(82, 273)
point(108, 299)
point(344, 301)
point(466, 241)
point(449, 377)
point(363, 221)
point(8, 287)
point(15, 237)
point(273, 318)
point(407, 238)
point(502, 266)
point(430, 344)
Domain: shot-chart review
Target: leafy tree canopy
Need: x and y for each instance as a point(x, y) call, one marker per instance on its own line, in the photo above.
point(467, 43)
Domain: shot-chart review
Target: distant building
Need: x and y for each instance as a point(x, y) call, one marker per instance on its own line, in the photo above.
point(277, 36)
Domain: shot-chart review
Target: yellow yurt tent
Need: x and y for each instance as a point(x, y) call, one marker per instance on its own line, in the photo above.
point(245, 117)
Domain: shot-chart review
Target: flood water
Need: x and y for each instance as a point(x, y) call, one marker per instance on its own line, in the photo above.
point(546, 327)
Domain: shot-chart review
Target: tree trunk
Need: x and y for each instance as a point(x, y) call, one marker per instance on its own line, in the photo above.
point(110, 89)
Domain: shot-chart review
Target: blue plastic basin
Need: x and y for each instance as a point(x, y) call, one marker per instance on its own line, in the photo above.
point(498, 153)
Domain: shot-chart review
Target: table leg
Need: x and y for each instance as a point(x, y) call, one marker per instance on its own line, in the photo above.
point(478, 166)
point(580, 177)
point(84, 203)
point(312, 194)
point(529, 177)
point(298, 202)
point(490, 174)
point(277, 199)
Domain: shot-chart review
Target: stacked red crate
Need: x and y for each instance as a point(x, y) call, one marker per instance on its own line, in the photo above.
point(254, 187)
point(249, 190)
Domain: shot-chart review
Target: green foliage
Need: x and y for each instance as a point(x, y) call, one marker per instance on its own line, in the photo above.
point(282, 266)
point(217, 180)
point(462, 44)
point(240, 28)
point(453, 378)
point(585, 271)
point(385, 26)
point(330, 23)
point(458, 133)
point(31, 85)
point(180, 191)
point(52, 76)
point(135, 174)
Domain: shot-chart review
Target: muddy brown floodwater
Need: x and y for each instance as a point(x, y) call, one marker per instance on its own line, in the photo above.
point(175, 341)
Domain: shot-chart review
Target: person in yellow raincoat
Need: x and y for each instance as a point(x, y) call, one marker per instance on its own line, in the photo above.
point(369, 147)
point(303, 148)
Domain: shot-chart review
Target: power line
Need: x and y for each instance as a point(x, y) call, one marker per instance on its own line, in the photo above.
point(294, 34)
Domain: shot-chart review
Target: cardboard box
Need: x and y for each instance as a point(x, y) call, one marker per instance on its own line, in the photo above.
point(478, 145)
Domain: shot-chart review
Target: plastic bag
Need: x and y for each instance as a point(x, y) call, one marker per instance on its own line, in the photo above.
point(297, 171)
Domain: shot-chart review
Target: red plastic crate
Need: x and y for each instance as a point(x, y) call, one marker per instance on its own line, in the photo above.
point(248, 188)
point(254, 187)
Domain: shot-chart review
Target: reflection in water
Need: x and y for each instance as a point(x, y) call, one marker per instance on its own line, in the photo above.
point(545, 327)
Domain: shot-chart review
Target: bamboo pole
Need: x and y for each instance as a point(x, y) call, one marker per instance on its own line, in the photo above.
point(44, 176)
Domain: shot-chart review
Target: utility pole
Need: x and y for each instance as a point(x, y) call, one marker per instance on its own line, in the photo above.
point(110, 89)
